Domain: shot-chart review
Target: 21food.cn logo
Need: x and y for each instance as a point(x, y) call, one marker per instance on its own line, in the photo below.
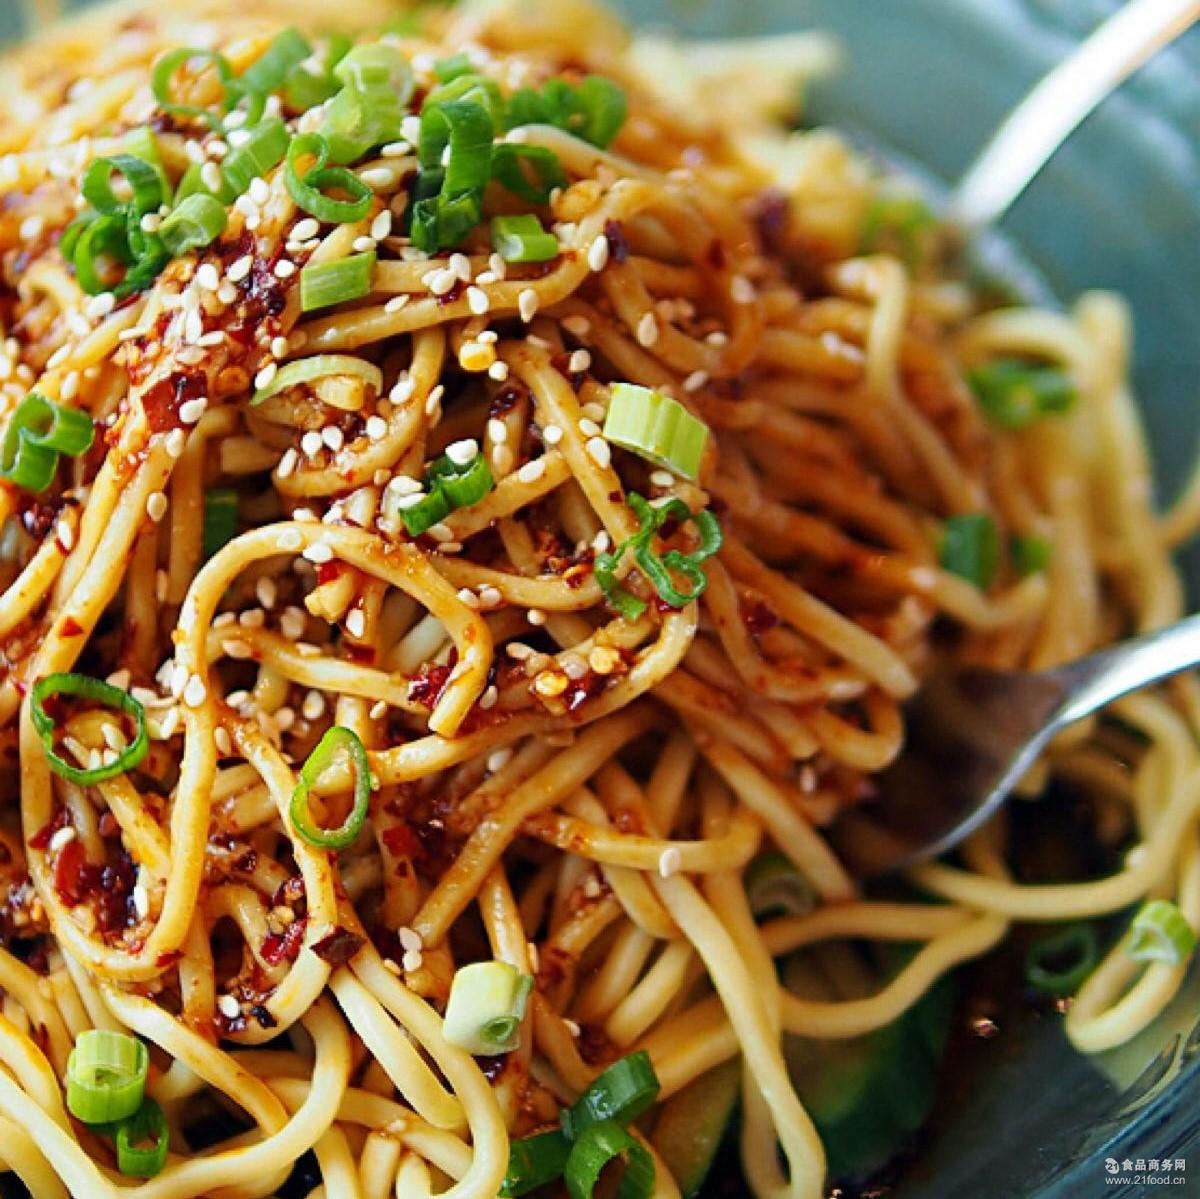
point(1146, 1172)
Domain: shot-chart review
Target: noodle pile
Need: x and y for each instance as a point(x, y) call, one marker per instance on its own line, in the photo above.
point(553, 785)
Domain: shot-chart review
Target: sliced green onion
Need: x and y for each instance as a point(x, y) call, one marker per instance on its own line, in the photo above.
point(32, 467)
point(148, 1123)
point(304, 370)
point(621, 1093)
point(522, 239)
point(430, 510)
point(162, 79)
point(197, 222)
point(1160, 933)
point(451, 200)
point(900, 219)
point(45, 423)
point(106, 1076)
point(304, 89)
point(595, 1148)
point(604, 108)
point(322, 757)
point(473, 89)
point(326, 283)
point(220, 519)
point(141, 143)
point(535, 1161)
point(145, 185)
point(308, 190)
point(191, 183)
point(486, 1006)
point(1030, 554)
point(356, 120)
point(1057, 964)
point(1013, 393)
point(774, 887)
point(454, 66)
point(377, 65)
point(971, 548)
point(85, 687)
point(651, 518)
point(463, 485)
point(267, 73)
point(508, 169)
point(257, 156)
point(594, 111)
point(656, 427)
point(39, 431)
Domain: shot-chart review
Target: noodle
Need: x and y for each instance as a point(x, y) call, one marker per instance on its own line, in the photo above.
point(572, 768)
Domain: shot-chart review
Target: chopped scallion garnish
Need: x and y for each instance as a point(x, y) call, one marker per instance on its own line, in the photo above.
point(774, 887)
point(257, 156)
point(486, 1006)
point(267, 73)
point(595, 1148)
point(656, 427)
point(323, 284)
point(1057, 964)
point(621, 1093)
point(220, 519)
point(197, 222)
point(1030, 554)
point(336, 740)
point(522, 239)
point(534, 1162)
point(134, 1158)
point(38, 433)
point(971, 548)
point(162, 82)
point(1160, 933)
point(85, 687)
point(1014, 393)
point(309, 189)
point(106, 1076)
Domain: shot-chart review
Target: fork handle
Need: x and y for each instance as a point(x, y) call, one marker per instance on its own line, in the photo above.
point(1102, 677)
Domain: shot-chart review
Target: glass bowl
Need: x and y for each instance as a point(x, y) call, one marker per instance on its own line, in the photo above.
point(1119, 207)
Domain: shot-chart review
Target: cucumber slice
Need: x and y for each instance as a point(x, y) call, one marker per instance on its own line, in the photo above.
point(869, 1094)
point(692, 1124)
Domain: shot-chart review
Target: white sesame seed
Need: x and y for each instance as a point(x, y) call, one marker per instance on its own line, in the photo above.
point(599, 451)
point(318, 552)
point(498, 371)
point(579, 362)
point(395, 150)
point(379, 709)
point(741, 290)
point(695, 381)
point(333, 437)
point(210, 176)
point(356, 622)
point(311, 443)
point(433, 399)
point(462, 452)
point(65, 535)
point(589, 428)
point(412, 961)
point(61, 838)
point(460, 264)
point(647, 330)
point(440, 532)
point(240, 268)
point(223, 741)
point(229, 1007)
point(259, 191)
point(536, 617)
point(195, 693)
point(156, 506)
point(264, 376)
point(291, 624)
point(377, 178)
point(598, 253)
point(442, 281)
point(376, 428)
point(669, 862)
point(490, 597)
point(527, 304)
point(477, 300)
point(285, 268)
point(363, 244)
point(305, 229)
point(141, 899)
point(498, 759)
point(150, 223)
point(552, 435)
point(468, 597)
point(280, 347)
point(395, 303)
point(381, 226)
point(488, 699)
point(531, 471)
point(497, 266)
point(227, 293)
point(190, 411)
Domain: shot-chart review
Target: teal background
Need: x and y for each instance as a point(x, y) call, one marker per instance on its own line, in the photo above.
point(1119, 207)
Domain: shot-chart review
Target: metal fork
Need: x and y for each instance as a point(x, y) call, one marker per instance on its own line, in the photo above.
point(971, 735)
